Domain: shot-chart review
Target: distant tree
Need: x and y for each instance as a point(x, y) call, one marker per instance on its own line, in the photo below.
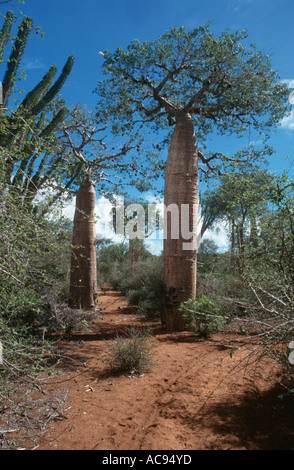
point(195, 83)
point(240, 200)
point(136, 228)
point(207, 254)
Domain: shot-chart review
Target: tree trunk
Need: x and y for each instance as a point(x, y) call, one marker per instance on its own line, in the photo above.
point(135, 250)
point(241, 241)
point(83, 284)
point(233, 246)
point(241, 248)
point(181, 191)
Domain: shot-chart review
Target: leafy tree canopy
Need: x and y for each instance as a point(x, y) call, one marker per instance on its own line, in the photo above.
point(222, 83)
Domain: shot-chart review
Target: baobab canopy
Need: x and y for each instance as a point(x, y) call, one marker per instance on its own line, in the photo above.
point(223, 84)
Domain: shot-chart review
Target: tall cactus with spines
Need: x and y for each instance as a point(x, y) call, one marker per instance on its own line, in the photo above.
point(5, 32)
point(26, 131)
point(55, 89)
point(35, 95)
point(15, 57)
point(28, 166)
point(35, 102)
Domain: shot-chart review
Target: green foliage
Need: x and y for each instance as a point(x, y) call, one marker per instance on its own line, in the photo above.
point(34, 269)
point(16, 54)
point(259, 298)
point(207, 255)
point(5, 32)
point(202, 316)
point(28, 131)
point(144, 287)
point(141, 281)
point(225, 86)
point(110, 262)
point(130, 352)
point(34, 252)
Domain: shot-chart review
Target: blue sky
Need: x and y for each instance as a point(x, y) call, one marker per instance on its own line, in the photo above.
point(83, 28)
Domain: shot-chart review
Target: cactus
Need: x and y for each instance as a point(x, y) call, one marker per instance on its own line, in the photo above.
point(5, 32)
point(15, 57)
point(55, 89)
point(25, 132)
point(34, 96)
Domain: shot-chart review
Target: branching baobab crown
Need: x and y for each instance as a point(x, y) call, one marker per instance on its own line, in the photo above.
point(224, 85)
point(112, 163)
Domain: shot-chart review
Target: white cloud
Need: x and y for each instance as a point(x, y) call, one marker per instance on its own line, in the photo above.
point(35, 64)
point(69, 209)
point(289, 82)
point(219, 236)
point(154, 246)
point(104, 225)
point(288, 121)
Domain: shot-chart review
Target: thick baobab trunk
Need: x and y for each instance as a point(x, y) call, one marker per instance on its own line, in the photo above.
point(83, 284)
point(181, 206)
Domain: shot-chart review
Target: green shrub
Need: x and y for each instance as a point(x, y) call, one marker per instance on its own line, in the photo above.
point(130, 353)
point(141, 281)
point(34, 265)
point(144, 287)
point(202, 316)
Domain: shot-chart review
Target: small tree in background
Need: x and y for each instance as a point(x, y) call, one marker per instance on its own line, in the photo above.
point(239, 200)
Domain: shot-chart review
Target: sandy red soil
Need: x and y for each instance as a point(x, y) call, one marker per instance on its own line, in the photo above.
point(195, 396)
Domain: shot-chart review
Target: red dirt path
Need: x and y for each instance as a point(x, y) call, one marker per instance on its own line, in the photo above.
point(195, 397)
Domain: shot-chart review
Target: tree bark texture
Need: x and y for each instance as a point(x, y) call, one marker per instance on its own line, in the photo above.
point(181, 192)
point(83, 285)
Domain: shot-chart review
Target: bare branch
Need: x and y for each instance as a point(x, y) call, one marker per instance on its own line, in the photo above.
point(11, 275)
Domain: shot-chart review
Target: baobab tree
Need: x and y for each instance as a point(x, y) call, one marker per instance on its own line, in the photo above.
point(193, 83)
point(94, 164)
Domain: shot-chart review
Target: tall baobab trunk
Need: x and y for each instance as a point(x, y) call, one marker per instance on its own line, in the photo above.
point(83, 284)
point(181, 196)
